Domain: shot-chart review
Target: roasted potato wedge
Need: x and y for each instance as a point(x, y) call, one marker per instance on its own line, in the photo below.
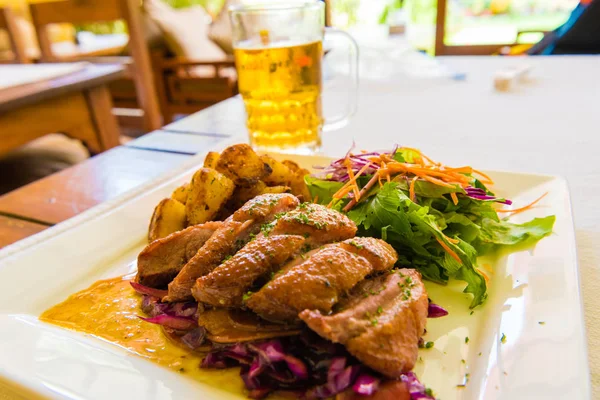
point(209, 191)
point(298, 185)
point(294, 167)
point(242, 165)
point(280, 173)
point(168, 217)
point(180, 194)
point(277, 189)
point(244, 193)
point(211, 160)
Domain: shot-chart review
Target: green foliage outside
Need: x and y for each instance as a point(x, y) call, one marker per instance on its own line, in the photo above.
point(212, 6)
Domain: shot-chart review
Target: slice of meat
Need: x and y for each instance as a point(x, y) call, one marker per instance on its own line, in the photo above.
point(263, 208)
point(233, 235)
point(234, 326)
point(380, 254)
point(226, 284)
point(162, 259)
point(220, 245)
point(381, 322)
point(316, 284)
point(317, 223)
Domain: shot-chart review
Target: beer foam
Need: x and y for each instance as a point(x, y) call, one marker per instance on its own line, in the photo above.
point(275, 43)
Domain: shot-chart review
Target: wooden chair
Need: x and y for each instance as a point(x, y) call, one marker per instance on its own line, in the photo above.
point(87, 11)
point(328, 5)
point(9, 24)
point(180, 92)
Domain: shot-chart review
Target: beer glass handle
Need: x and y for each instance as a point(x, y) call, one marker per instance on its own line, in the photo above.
point(338, 121)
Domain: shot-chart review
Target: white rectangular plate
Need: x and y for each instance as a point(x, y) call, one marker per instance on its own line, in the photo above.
point(534, 302)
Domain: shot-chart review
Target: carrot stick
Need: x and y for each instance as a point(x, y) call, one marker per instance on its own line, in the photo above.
point(454, 198)
point(524, 208)
point(489, 180)
point(411, 189)
point(449, 251)
point(363, 191)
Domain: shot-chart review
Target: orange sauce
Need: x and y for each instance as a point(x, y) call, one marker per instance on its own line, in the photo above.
point(109, 310)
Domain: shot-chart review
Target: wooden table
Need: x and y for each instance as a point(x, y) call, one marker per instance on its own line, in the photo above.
point(58, 197)
point(77, 104)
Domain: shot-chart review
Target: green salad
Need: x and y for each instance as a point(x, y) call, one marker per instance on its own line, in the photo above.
point(438, 218)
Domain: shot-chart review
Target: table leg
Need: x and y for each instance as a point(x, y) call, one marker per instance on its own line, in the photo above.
point(100, 106)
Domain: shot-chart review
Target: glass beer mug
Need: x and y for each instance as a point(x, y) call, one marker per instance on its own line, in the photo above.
point(278, 50)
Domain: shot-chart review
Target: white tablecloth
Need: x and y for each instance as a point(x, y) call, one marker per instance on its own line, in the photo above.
point(550, 125)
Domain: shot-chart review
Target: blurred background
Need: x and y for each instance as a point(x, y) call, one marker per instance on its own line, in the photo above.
point(467, 22)
point(181, 60)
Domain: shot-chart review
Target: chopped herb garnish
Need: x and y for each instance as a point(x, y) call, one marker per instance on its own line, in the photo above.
point(463, 361)
point(357, 245)
point(479, 354)
point(306, 235)
point(503, 338)
point(320, 225)
point(252, 236)
point(247, 295)
point(542, 323)
point(302, 218)
point(467, 339)
point(429, 392)
point(472, 312)
point(229, 257)
point(379, 310)
point(267, 228)
point(429, 345)
point(374, 322)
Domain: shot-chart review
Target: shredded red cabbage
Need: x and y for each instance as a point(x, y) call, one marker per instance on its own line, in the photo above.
point(178, 323)
point(153, 307)
point(337, 171)
point(365, 385)
point(480, 194)
point(305, 365)
point(436, 311)
point(309, 366)
point(417, 390)
point(179, 320)
point(141, 289)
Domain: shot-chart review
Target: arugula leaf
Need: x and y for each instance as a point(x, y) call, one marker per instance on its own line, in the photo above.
point(504, 233)
point(414, 231)
point(321, 189)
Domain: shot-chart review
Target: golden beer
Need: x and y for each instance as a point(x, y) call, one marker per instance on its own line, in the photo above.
point(281, 87)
